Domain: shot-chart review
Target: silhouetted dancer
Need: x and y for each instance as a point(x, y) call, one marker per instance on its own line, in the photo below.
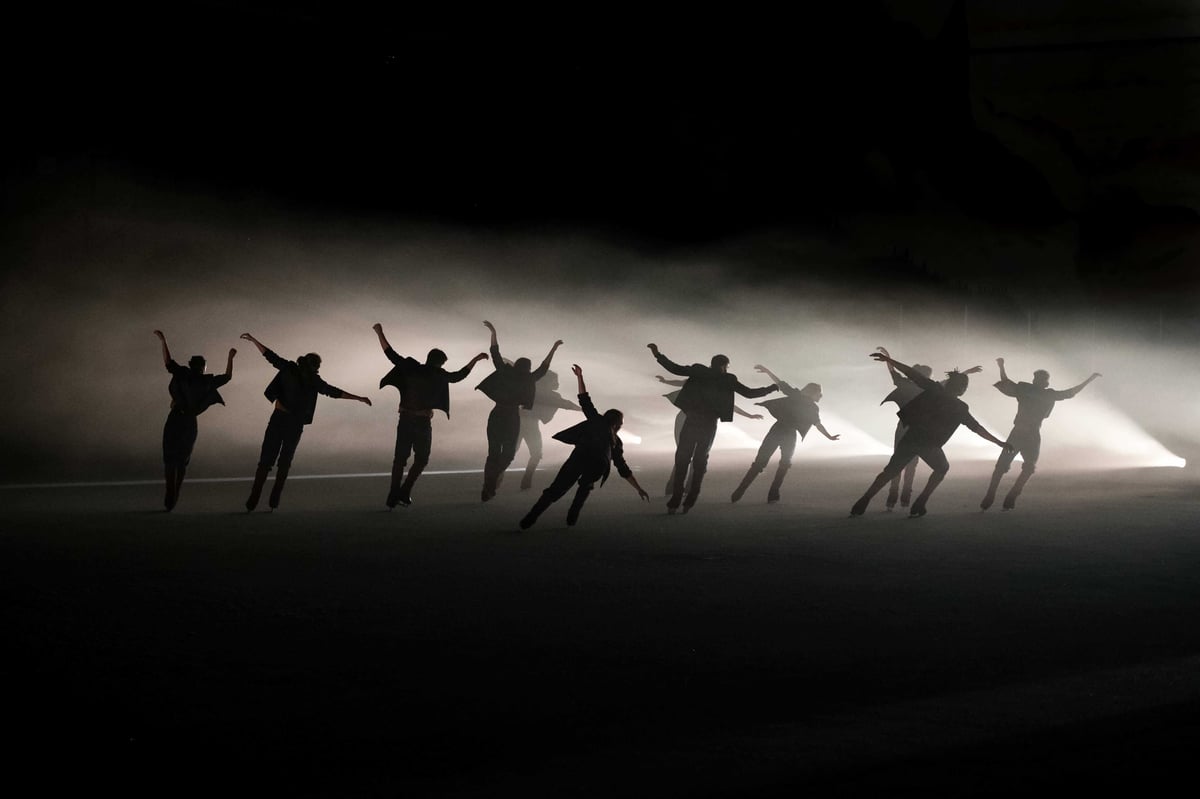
point(294, 391)
point(424, 388)
point(192, 393)
point(930, 418)
point(706, 398)
point(679, 420)
point(546, 404)
point(795, 412)
point(511, 387)
point(1035, 401)
point(597, 447)
point(904, 392)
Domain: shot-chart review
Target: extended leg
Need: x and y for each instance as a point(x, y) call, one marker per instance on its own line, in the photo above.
point(940, 466)
point(1003, 464)
point(531, 434)
point(787, 447)
point(704, 433)
point(562, 483)
point(581, 495)
point(422, 445)
point(404, 446)
point(894, 466)
point(1027, 470)
point(291, 440)
point(765, 451)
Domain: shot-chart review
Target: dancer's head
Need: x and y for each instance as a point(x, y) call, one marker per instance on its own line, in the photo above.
point(956, 382)
point(720, 363)
point(435, 357)
point(614, 418)
point(310, 362)
point(923, 369)
point(1041, 378)
point(812, 391)
point(197, 364)
point(522, 365)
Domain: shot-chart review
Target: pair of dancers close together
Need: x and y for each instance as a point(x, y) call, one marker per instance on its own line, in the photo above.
point(930, 412)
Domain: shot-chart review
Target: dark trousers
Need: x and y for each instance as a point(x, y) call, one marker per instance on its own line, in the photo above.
point(1026, 442)
point(909, 474)
point(503, 434)
point(580, 469)
point(179, 437)
point(780, 437)
point(280, 441)
point(912, 445)
point(695, 441)
point(414, 436)
point(531, 435)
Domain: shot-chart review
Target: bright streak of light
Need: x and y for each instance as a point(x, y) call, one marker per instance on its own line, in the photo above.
point(628, 437)
point(854, 441)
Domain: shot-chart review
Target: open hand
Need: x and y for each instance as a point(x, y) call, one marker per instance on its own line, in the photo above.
point(754, 416)
point(489, 325)
point(158, 333)
point(881, 356)
point(642, 493)
point(576, 370)
point(653, 348)
point(247, 337)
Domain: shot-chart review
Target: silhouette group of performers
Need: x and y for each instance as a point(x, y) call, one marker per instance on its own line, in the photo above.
point(929, 412)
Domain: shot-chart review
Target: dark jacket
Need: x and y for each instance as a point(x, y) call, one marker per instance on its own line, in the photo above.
point(593, 440)
point(422, 387)
point(793, 409)
point(1033, 404)
point(193, 393)
point(935, 413)
point(507, 386)
point(296, 389)
point(708, 391)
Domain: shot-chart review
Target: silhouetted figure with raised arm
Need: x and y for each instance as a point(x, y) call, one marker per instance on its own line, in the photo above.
point(706, 399)
point(1035, 401)
point(294, 391)
point(424, 388)
point(547, 402)
point(511, 387)
point(597, 447)
point(904, 392)
point(930, 418)
point(193, 391)
point(795, 412)
point(681, 417)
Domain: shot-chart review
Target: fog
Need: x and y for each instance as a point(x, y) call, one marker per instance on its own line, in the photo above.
point(87, 393)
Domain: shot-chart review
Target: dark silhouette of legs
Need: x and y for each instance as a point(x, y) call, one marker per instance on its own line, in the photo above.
point(940, 466)
point(1027, 470)
point(531, 434)
point(260, 479)
point(908, 476)
point(906, 450)
point(179, 438)
point(581, 495)
point(414, 436)
point(695, 441)
point(568, 475)
point(787, 446)
point(503, 432)
point(279, 443)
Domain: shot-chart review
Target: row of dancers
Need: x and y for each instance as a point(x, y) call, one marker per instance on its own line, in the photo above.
point(929, 412)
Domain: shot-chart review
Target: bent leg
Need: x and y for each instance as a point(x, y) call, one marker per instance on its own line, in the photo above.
point(404, 447)
point(900, 457)
point(936, 458)
point(1003, 464)
point(706, 431)
point(787, 447)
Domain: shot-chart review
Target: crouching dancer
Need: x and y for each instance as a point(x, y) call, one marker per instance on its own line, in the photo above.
point(597, 446)
point(424, 388)
point(930, 419)
point(294, 391)
point(193, 391)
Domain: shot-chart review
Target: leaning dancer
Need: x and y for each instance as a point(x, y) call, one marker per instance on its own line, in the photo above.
point(424, 388)
point(681, 417)
point(511, 387)
point(930, 418)
point(706, 399)
point(1035, 401)
point(795, 412)
point(193, 391)
point(597, 447)
point(294, 391)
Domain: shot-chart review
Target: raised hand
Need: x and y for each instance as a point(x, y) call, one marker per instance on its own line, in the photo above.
point(160, 335)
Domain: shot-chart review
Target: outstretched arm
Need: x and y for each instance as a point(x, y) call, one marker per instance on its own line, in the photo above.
point(741, 412)
point(261, 347)
point(229, 363)
point(1003, 374)
point(662, 379)
point(974, 426)
point(454, 377)
point(347, 395)
point(912, 374)
point(896, 376)
point(820, 427)
point(760, 368)
point(577, 370)
point(494, 347)
point(1071, 392)
point(754, 393)
point(166, 353)
point(641, 491)
point(667, 363)
point(540, 372)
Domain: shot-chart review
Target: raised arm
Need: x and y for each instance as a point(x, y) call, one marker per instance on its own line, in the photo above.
point(760, 368)
point(540, 372)
point(741, 412)
point(229, 364)
point(339, 393)
point(577, 370)
point(383, 342)
point(667, 363)
point(912, 374)
point(753, 393)
point(1003, 374)
point(166, 353)
point(1071, 392)
point(662, 379)
point(454, 377)
point(262, 350)
point(896, 376)
point(585, 401)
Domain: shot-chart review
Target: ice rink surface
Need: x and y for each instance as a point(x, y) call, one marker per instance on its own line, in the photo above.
point(335, 648)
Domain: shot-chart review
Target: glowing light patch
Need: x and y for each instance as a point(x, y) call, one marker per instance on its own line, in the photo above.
point(628, 437)
point(854, 441)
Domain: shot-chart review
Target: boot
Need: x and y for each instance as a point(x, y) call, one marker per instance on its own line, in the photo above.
point(990, 496)
point(576, 506)
point(751, 473)
point(894, 493)
point(260, 479)
point(277, 489)
point(536, 511)
point(179, 473)
point(1010, 501)
point(404, 496)
point(777, 483)
point(527, 478)
point(395, 488)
